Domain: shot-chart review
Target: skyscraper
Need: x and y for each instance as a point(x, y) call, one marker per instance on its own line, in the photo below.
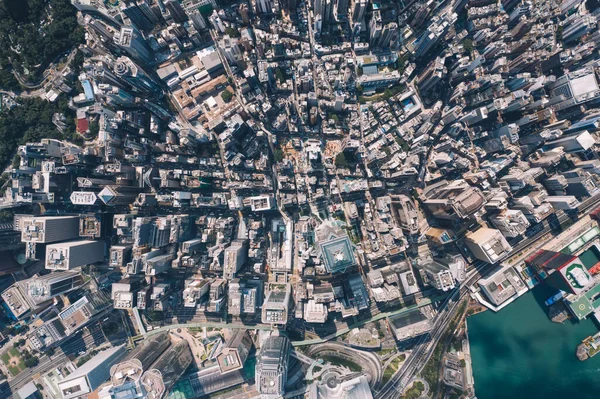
point(141, 15)
point(272, 366)
point(176, 10)
point(169, 367)
point(94, 372)
point(69, 255)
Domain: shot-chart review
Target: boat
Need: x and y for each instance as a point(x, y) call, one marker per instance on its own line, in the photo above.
point(589, 347)
point(554, 298)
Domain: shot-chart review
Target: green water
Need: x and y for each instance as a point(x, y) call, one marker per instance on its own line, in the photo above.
point(518, 353)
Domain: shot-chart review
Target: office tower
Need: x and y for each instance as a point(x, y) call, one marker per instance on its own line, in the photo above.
point(160, 232)
point(289, 5)
point(235, 257)
point(119, 255)
point(442, 273)
point(375, 28)
point(198, 20)
point(40, 289)
point(165, 372)
point(48, 229)
point(511, 222)
point(36, 293)
point(131, 41)
point(263, 6)
point(141, 15)
point(454, 200)
point(271, 367)
point(563, 202)
point(176, 10)
point(139, 359)
point(115, 195)
point(358, 11)
point(69, 255)
point(275, 309)
point(135, 76)
point(341, 7)
point(84, 311)
point(488, 245)
point(235, 351)
point(91, 374)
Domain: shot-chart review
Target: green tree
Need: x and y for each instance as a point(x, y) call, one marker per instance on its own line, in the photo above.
point(233, 32)
point(226, 95)
point(468, 45)
point(279, 75)
point(559, 33)
point(278, 154)
point(31, 361)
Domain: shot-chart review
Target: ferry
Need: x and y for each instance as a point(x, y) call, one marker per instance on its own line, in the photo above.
point(556, 297)
point(589, 347)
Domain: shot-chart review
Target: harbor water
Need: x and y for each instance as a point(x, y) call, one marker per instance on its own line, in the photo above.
point(518, 353)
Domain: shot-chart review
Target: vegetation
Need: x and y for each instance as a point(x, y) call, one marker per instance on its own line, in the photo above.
point(385, 95)
point(559, 33)
point(392, 368)
point(35, 33)
point(278, 155)
point(279, 75)
point(415, 391)
point(226, 95)
point(232, 32)
point(431, 370)
point(32, 121)
point(468, 45)
point(6, 215)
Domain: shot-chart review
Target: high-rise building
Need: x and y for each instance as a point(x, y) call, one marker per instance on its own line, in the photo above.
point(272, 366)
point(511, 222)
point(69, 255)
point(275, 309)
point(91, 374)
point(263, 6)
point(235, 351)
point(359, 8)
point(488, 245)
point(135, 76)
point(176, 10)
point(131, 41)
point(141, 15)
point(139, 359)
point(235, 257)
point(48, 229)
point(165, 372)
point(341, 7)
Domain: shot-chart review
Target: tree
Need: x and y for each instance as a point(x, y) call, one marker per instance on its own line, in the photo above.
point(31, 361)
point(278, 154)
point(463, 364)
point(6, 215)
point(559, 33)
point(335, 118)
point(226, 95)
point(232, 32)
point(279, 75)
point(341, 161)
point(468, 45)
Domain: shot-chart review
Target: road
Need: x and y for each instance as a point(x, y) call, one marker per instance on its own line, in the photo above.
point(427, 343)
